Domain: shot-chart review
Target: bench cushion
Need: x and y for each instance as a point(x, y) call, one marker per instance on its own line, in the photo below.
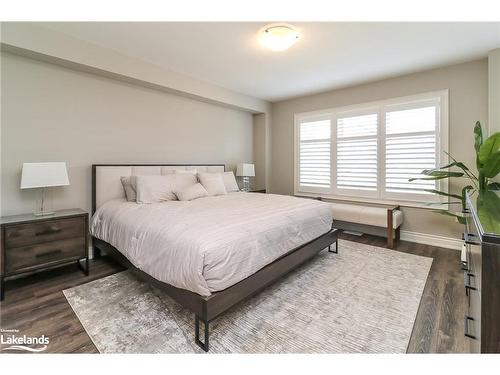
point(367, 215)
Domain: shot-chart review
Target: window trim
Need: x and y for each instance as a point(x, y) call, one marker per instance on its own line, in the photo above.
point(381, 107)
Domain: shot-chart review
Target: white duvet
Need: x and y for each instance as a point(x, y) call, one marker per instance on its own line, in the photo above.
point(209, 244)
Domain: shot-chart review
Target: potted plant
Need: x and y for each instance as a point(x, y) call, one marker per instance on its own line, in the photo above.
point(487, 164)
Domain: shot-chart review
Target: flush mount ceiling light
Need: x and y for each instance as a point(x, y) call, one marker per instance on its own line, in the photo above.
point(278, 36)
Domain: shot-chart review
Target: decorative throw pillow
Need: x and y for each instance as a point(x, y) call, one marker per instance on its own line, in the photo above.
point(129, 187)
point(213, 183)
point(191, 192)
point(230, 182)
point(157, 188)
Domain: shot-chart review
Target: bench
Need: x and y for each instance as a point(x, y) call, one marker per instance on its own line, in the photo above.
point(377, 220)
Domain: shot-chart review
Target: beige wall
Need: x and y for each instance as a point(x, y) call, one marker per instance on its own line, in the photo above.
point(494, 90)
point(259, 150)
point(33, 39)
point(468, 98)
point(50, 113)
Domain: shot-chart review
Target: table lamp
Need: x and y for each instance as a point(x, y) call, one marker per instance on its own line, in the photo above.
point(42, 176)
point(246, 171)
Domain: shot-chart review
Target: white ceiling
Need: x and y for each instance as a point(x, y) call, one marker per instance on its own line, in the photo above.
point(328, 55)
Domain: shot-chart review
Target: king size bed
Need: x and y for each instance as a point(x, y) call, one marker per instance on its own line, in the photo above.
point(209, 253)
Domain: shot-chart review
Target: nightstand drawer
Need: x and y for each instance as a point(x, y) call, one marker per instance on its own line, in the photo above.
point(28, 234)
point(28, 257)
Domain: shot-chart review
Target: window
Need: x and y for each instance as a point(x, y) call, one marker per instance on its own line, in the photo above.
point(371, 150)
point(410, 147)
point(356, 160)
point(314, 155)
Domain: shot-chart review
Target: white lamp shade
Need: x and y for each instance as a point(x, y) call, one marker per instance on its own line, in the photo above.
point(36, 175)
point(245, 170)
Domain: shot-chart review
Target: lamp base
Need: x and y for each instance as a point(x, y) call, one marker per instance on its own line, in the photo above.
point(43, 213)
point(246, 183)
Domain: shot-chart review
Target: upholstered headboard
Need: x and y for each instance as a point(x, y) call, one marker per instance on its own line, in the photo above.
point(106, 183)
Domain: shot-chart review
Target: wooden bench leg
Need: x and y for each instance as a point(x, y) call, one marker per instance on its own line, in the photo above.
point(390, 238)
point(391, 234)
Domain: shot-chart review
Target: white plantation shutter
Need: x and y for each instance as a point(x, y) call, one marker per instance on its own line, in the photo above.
point(410, 147)
point(356, 145)
point(314, 155)
point(371, 150)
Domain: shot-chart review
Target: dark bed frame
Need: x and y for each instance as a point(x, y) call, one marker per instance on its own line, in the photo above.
point(208, 308)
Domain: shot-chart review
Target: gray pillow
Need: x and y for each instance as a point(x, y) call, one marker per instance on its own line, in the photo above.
point(129, 187)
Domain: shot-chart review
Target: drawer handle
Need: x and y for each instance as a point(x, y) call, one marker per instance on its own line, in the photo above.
point(48, 231)
point(467, 237)
point(49, 253)
point(466, 327)
point(468, 286)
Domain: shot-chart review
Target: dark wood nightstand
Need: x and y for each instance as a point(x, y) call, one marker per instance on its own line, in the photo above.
point(34, 243)
point(258, 191)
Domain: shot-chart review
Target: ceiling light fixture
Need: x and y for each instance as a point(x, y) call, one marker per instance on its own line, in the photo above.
point(278, 36)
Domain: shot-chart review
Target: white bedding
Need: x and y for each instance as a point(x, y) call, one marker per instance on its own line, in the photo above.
point(209, 244)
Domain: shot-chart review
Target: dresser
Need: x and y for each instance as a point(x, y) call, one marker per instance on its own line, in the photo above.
point(35, 243)
point(481, 267)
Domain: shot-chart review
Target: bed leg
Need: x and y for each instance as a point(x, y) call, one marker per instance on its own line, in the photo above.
point(96, 252)
point(336, 247)
point(203, 345)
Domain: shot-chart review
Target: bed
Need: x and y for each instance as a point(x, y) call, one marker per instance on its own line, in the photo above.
point(210, 253)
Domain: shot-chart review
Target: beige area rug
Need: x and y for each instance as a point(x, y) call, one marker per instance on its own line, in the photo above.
point(362, 300)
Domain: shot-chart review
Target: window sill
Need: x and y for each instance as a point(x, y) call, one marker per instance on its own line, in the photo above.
point(374, 201)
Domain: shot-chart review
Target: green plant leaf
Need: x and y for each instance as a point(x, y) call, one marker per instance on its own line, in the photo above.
point(489, 147)
point(492, 186)
point(437, 175)
point(491, 166)
point(434, 191)
point(454, 164)
point(445, 173)
point(440, 203)
point(461, 219)
point(488, 210)
point(427, 178)
point(467, 171)
point(478, 136)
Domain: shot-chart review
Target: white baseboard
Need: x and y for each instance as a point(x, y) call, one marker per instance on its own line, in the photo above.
point(432, 239)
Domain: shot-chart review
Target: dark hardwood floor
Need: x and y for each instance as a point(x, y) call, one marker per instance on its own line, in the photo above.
point(439, 326)
point(35, 305)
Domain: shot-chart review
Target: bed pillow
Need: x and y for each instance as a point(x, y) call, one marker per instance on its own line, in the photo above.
point(191, 192)
point(160, 188)
point(230, 182)
point(213, 183)
point(129, 187)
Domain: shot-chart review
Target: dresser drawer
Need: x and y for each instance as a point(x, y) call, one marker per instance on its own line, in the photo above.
point(25, 258)
point(28, 234)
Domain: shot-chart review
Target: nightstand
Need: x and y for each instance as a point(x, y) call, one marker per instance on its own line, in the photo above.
point(35, 243)
point(258, 191)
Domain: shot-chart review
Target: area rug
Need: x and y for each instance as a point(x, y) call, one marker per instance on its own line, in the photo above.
point(362, 300)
